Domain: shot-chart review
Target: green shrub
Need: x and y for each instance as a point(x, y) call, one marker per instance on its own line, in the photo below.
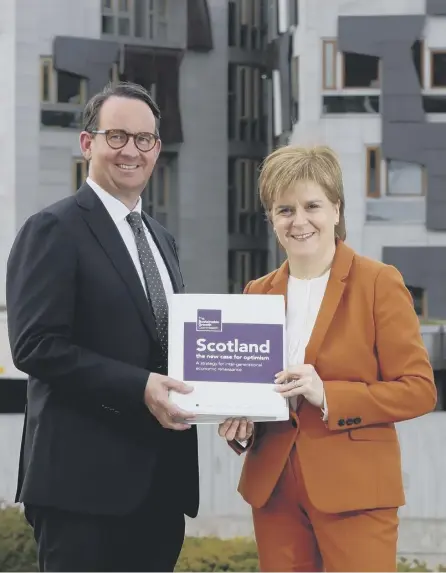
point(213, 554)
point(18, 551)
point(17, 547)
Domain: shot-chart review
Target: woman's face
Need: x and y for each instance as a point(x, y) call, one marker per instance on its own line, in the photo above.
point(304, 220)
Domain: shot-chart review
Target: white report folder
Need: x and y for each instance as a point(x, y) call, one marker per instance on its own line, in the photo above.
point(228, 347)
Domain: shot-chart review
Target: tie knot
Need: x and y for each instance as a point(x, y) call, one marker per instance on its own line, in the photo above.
point(135, 221)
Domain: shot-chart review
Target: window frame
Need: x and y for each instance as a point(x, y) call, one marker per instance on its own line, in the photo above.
point(156, 20)
point(397, 195)
point(377, 191)
point(84, 172)
point(47, 61)
point(362, 88)
point(294, 87)
point(433, 52)
point(424, 302)
point(382, 177)
point(243, 185)
point(244, 79)
point(333, 42)
point(244, 266)
point(153, 204)
point(245, 20)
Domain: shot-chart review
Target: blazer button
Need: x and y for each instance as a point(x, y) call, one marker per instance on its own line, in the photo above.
point(341, 422)
point(357, 420)
point(349, 421)
point(294, 423)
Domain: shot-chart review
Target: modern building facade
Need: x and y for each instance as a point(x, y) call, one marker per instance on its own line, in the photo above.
point(372, 84)
point(204, 61)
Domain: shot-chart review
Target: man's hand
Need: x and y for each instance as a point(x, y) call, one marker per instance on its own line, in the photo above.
point(302, 380)
point(238, 429)
point(156, 398)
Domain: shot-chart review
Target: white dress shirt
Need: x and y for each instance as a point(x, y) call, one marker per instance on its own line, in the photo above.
point(118, 212)
point(304, 300)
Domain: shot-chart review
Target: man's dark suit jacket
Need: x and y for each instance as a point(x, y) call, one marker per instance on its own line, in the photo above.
point(81, 327)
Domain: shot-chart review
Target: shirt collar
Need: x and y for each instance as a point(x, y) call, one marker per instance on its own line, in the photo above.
point(116, 209)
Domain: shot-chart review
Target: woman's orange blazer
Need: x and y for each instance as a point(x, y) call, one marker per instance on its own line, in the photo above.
point(367, 348)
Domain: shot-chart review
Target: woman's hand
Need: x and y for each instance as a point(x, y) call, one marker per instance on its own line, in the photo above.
point(239, 429)
point(302, 380)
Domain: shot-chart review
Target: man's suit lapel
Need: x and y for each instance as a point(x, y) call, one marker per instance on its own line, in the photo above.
point(105, 231)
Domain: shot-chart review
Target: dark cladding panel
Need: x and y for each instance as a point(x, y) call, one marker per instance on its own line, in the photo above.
point(150, 66)
point(199, 28)
point(436, 7)
point(423, 267)
point(357, 33)
point(400, 108)
point(86, 57)
point(406, 135)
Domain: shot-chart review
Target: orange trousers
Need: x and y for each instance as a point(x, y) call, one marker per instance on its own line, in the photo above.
point(292, 535)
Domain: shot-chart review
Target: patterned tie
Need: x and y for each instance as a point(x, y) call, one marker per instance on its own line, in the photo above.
point(152, 278)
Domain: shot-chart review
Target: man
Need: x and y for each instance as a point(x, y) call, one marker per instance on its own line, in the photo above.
point(108, 466)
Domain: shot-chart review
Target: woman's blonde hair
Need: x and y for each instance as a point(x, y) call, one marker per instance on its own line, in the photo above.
point(287, 165)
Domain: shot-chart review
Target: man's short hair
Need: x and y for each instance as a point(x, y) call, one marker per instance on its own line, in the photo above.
point(90, 120)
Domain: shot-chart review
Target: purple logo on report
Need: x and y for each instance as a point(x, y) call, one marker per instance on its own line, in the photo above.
point(209, 320)
point(231, 352)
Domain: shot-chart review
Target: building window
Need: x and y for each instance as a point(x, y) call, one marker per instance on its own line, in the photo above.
point(404, 179)
point(245, 266)
point(114, 75)
point(438, 68)
point(60, 87)
point(135, 18)
point(373, 184)
point(246, 24)
point(401, 179)
point(282, 16)
point(46, 76)
point(155, 199)
point(80, 172)
point(232, 23)
point(329, 54)
point(161, 17)
point(246, 117)
point(245, 214)
point(340, 104)
point(419, 300)
point(360, 71)
point(294, 84)
point(108, 21)
point(293, 9)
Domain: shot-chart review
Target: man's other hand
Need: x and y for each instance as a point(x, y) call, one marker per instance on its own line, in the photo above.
point(156, 398)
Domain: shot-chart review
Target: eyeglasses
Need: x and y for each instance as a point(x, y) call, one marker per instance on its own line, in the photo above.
point(118, 138)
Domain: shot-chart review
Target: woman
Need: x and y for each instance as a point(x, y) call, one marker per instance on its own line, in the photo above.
point(326, 485)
